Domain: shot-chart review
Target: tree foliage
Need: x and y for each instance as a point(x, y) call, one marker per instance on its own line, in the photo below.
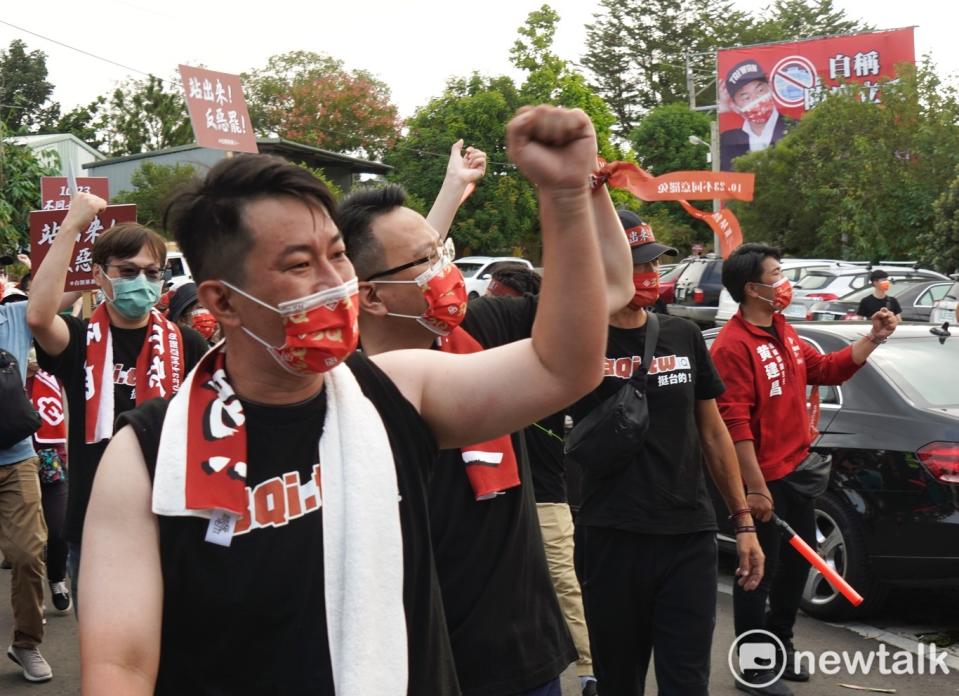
point(857, 180)
point(153, 184)
point(941, 244)
point(313, 99)
point(638, 49)
point(20, 172)
point(24, 89)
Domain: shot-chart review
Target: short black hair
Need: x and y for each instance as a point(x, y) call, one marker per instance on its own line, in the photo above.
point(207, 215)
point(878, 274)
point(745, 265)
point(519, 278)
point(354, 217)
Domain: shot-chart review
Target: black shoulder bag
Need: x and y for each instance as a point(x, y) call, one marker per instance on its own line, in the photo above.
point(17, 416)
point(605, 442)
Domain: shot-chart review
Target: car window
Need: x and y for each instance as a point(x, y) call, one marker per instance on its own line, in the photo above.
point(828, 394)
point(952, 293)
point(692, 273)
point(673, 273)
point(936, 292)
point(898, 287)
point(468, 269)
point(815, 281)
point(175, 264)
point(859, 281)
point(919, 367)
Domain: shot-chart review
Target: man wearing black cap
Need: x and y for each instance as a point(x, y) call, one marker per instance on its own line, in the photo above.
point(184, 309)
point(751, 98)
point(649, 530)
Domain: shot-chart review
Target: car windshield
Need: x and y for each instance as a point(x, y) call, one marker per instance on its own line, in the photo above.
point(815, 281)
point(468, 269)
point(922, 368)
point(899, 286)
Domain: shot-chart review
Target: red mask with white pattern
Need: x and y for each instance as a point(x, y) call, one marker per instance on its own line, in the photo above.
point(647, 289)
point(758, 110)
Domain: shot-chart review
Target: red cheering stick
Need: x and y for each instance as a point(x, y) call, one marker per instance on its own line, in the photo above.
point(817, 561)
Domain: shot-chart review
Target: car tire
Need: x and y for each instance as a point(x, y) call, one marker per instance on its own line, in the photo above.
point(842, 544)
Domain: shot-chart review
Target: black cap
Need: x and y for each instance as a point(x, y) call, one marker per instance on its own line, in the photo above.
point(641, 239)
point(878, 274)
point(182, 299)
point(742, 74)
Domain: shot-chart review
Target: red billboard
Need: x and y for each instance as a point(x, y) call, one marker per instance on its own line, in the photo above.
point(45, 225)
point(55, 190)
point(763, 90)
point(217, 110)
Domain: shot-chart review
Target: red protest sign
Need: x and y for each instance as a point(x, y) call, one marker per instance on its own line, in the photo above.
point(217, 110)
point(55, 190)
point(677, 186)
point(45, 225)
point(723, 223)
point(764, 89)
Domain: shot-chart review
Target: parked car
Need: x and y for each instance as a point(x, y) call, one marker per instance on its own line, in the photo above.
point(915, 297)
point(177, 270)
point(794, 269)
point(477, 270)
point(831, 284)
point(891, 513)
point(667, 282)
point(697, 290)
point(944, 309)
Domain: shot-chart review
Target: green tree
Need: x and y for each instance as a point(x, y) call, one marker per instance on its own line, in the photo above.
point(142, 116)
point(152, 186)
point(20, 172)
point(941, 244)
point(788, 20)
point(857, 180)
point(24, 89)
point(316, 100)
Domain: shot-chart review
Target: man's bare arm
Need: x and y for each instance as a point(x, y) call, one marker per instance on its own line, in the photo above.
point(462, 170)
point(121, 585)
point(46, 290)
point(467, 397)
point(616, 255)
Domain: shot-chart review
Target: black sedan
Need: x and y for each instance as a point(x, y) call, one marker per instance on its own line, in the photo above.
point(891, 513)
point(915, 297)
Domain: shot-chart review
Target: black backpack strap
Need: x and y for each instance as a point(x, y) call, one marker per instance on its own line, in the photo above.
point(652, 338)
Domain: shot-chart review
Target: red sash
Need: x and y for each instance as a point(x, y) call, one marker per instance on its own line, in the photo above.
point(48, 401)
point(159, 369)
point(491, 465)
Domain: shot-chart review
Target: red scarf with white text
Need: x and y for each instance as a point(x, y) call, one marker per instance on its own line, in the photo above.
point(159, 369)
point(491, 466)
point(48, 402)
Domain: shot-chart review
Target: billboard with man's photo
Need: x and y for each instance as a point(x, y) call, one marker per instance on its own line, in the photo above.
point(763, 90)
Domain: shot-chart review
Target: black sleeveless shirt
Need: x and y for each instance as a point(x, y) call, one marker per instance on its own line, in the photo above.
point(251, 618)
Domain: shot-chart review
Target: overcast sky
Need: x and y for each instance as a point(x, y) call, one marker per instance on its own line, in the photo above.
point(412, 45)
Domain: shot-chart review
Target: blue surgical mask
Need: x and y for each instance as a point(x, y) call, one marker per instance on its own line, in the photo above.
point(134, 297)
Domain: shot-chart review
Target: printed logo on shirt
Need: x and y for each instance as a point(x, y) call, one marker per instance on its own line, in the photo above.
point(774, 367)
point(671, 369)
point(123, 377)
point(276, 501)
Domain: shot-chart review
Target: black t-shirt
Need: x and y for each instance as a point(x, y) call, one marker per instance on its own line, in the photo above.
point(68, 366)
point(871, 304)
point(251, 618)
point(663, 490)
point(544, 444)
point(505, 624)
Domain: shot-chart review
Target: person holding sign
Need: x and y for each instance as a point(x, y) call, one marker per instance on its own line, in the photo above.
point(266, 531)
point(125, 354)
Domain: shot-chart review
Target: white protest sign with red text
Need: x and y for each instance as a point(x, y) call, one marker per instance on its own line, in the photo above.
point(45, 225)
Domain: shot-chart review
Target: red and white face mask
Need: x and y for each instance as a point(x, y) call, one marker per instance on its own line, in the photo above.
point(758, 110)
point(321, 329)
point(444, 290)
point(647, 289)
point(783, 296)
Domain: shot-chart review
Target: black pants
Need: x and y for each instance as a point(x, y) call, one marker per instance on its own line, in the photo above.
point(786, 570)
point(648, 592)
point(54, 496)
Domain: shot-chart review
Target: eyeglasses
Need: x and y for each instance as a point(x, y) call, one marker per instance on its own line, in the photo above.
point(129, 271)
point(442, 253)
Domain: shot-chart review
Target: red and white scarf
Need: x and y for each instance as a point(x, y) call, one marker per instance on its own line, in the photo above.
point(159, 369)
point(491, 466)
point(47, 400)
point(201, 472)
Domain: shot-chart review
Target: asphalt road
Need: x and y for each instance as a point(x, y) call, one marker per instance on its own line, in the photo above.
point(909, 612)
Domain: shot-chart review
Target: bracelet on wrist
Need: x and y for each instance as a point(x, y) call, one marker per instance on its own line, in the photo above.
point(763, 495)
point(873, 338)
point(740, 513)
point(751, 529)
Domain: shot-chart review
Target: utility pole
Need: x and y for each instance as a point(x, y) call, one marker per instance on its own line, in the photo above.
point(690, 84)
